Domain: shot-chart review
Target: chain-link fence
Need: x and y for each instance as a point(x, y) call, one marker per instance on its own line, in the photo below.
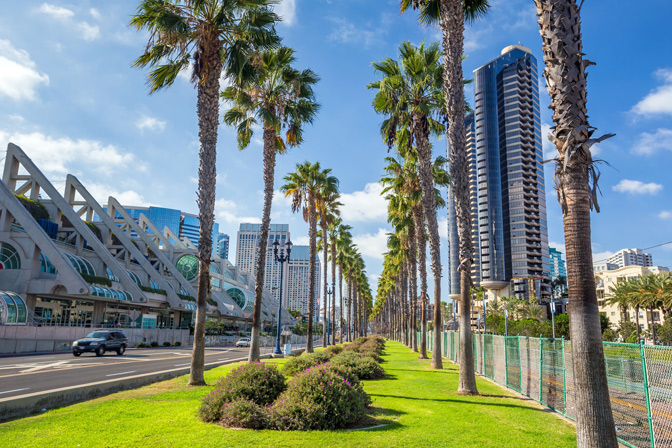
point(639, 378)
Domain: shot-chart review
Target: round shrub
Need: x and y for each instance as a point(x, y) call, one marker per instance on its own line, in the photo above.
point(321, 398)
point(242, 413)
point(372, 355)
point(258, 382)
point(365, 367)
point(304, 362)
point(334, 350)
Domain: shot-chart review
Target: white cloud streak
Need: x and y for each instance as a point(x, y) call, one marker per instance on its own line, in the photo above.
point(366, 205)
point(150, 123)
point(658, 101)
point(665, 214)
point(19, 78)
point(66, 16)
point(287, 11)
point(372, 245)
point(637, 187)
point(650, 143)
point(227, 211)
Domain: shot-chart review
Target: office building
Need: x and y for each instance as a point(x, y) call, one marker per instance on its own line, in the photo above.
point(557, 264)
point(223, 246)
point(630, 257)
point(298, 281)
point(507, 181)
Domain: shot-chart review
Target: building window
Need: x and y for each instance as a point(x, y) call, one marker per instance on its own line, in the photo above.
point(188, 266)
point(9, 257)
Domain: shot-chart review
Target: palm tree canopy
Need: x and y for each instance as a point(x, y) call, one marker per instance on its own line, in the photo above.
point(307, 184)
point(430, 13)
point(273, 92)
point(182, 31)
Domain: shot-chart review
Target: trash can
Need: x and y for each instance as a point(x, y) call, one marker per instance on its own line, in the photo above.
point(288, 349)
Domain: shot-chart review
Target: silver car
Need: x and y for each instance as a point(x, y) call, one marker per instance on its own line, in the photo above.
point(243, 342)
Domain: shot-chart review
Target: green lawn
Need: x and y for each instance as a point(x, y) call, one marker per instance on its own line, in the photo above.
point(421, 404)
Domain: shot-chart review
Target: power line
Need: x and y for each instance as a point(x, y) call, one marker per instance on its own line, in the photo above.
point(646, 248)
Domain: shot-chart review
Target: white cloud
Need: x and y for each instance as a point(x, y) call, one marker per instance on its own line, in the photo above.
point(659, 101)
point(56, 12)
point(227, 211)
point(95, 13)
point(665, 214)
point(67, 17)
point(348, 33)
point(59, 156)
point(301, 241)
point(103, 192)
point(443, 227)
point(550, 151)
point(601, 256)
point(366, 205)
point(558, 246)
point(637, 187)
point(287, 11)
point(18, 77)
point(372, 245)
point(649, 143)
point(151, 123)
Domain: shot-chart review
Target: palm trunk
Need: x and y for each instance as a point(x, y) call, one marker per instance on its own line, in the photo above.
point(639, 336)
point(350, 314)
point(560, 28)
point(653, 325)
point(452, 25)
point(421, 132)
point(208, 120)
point(340, 293)
point(419, 223)
point(413, 293)
point(312, 234)
point(325, 326)
point(269, 171)
point(333, 290)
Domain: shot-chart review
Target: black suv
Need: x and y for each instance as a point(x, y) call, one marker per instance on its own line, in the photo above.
point(101, 341)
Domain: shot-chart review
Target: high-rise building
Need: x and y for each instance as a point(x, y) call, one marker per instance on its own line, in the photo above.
point(630, 257)
point(558, 268)
point(507, 180)
point(223, 246)
point(298, 276)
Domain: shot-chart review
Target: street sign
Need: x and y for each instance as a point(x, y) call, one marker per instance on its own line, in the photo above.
point(553, 307)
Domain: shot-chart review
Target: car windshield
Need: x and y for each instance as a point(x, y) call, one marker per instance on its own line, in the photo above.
point(97, 334)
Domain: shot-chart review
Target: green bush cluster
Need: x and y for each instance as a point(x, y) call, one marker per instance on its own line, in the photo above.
point(154, 344)
point(304, 362)
point(334, 350)
point(321, 398)
point(257, 382)
point(364, 367)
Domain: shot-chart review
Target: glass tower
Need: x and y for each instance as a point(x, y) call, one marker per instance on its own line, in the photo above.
point(507, 178)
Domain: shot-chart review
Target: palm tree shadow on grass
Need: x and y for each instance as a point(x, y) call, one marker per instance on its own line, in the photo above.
point(452, 400)
point(444, 371)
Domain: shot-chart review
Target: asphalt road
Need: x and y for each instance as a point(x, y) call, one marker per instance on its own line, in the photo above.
point(20, 375)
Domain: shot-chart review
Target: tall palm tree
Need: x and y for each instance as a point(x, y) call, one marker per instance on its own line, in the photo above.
point(206, 32)
point(451, 16)
point(410, 96)
point(327, 212)
point(565, 73)
point(305, 186)
point(282, 99)
point(343, 247)
point(332, 230)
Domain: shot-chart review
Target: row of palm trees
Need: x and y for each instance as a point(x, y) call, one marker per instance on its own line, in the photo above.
point(418, 99)
point(652, 291)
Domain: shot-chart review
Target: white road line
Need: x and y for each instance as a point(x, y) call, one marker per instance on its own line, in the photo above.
point(122, 373)
point(186, 364)
point(15, 390)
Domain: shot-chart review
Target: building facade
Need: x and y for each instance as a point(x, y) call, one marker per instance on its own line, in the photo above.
point(223, 241)
point(298, 281)
point(558, 268)
point(507, 180)
point(630, 257)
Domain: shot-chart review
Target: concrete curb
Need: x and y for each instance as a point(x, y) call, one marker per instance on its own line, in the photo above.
point(16, 407)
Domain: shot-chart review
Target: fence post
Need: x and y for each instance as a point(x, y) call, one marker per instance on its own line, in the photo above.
point(649, 416)
point(492, 344)
point(506, 363)
point(541, 368)
point(520, 365)
point(564, 374)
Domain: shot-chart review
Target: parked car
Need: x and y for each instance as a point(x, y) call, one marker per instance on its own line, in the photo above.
point(101, 341)
point(243, 342)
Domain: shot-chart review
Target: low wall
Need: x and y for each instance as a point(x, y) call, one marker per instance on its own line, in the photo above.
point(27, 339)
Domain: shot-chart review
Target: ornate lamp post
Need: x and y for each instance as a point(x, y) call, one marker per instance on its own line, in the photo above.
point(281, 258)
point(330, 291)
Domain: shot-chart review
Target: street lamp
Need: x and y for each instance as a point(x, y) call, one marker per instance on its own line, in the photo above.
point(330, 291)
point(280, 258)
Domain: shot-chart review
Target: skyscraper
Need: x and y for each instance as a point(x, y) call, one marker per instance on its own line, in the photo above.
point(298, 275)
point(507, 179)
point(223, 246)
point(558, 268)
point(631, 257)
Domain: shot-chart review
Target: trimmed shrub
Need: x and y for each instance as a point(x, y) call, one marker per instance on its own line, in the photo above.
point(365, 367)
point(304, 362)
point(167, 344)
point(321, 398)
point(373, 356)
point(177, 344)
point(242, 413)
point(154, 344)
point(334, 350)
point(141, 345)
point(258, 382)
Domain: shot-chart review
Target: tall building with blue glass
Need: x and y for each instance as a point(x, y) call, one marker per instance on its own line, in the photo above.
point(223, 242)
point(510, 228)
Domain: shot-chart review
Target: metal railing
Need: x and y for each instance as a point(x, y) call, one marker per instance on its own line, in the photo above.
point(639, 378)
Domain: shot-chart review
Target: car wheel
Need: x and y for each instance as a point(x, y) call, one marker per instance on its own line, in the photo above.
point(100, 351)
point(76, 353)
point(121, 350)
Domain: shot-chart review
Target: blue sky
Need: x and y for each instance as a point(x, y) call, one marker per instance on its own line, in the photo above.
point(70, 98)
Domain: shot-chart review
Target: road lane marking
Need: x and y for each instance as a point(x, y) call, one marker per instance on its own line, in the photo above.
point(186, 364)
point(15, 390)
point(122, 373)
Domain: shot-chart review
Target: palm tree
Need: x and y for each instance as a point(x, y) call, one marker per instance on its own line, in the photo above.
point(327, 212)
point(343, 247)
point(207, 32)
point(282, 98)
point(332, 231)
point(305, 186)
point(536, 312)
point(451, 15)
point(565, 73)
point(410, 95)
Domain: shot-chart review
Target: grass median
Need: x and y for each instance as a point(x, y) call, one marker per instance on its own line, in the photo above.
point(419, 404)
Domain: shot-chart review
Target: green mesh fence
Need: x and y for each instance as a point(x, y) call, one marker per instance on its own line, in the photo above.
point(639, 378)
